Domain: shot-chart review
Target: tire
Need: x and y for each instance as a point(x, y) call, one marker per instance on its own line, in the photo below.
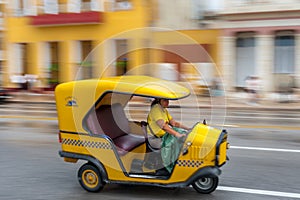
point(89, 178)
point(206, 185)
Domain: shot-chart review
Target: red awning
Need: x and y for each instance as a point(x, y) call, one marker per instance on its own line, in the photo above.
point(91, 17)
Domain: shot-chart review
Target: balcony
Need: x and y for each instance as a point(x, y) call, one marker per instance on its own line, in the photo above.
point(91, 17)
point(68, 14)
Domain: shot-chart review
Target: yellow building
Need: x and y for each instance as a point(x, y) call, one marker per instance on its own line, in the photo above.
point(52, 41)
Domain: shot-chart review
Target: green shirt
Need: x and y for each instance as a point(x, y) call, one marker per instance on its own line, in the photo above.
point(157, 112)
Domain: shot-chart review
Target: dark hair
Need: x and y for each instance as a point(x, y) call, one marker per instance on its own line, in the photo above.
point(155, 101)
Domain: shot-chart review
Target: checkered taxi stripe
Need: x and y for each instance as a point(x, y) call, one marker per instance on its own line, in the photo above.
point(189, 163)
point(83, 143)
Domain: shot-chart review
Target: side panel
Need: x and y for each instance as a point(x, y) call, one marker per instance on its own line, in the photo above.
point(97, 147)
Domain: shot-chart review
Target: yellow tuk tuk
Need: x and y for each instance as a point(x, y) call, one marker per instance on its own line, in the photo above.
point(94, 127)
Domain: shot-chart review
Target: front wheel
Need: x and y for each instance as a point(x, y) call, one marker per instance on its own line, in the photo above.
point(206, 185)
point(89, 178)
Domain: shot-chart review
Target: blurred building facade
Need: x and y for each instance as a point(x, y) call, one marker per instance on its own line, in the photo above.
point(50, 41)
point(194, 52)
point(260, 38)
point(53, 41)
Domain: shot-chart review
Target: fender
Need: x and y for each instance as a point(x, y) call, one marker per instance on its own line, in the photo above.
point(204, 172)
point(90, 159)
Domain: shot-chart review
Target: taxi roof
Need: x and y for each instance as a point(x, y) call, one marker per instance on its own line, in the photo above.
point(135, 85)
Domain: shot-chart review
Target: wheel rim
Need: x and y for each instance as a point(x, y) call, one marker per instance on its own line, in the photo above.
point(204, 183)
point(90, 178)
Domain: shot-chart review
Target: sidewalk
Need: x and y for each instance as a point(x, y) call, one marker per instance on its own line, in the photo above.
point(232, 101)
point(32, 97)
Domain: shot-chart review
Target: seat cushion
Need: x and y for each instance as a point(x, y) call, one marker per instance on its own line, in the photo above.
point(112, 120)
point(93, 124)
point(128, 142)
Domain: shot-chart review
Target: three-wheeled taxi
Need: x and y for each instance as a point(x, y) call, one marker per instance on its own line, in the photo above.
point(94, 127)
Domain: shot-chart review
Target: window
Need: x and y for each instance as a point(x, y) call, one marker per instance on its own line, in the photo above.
point(17, 7)
point(40, 6)
point(87, 63)
point(123, 5)
point(97, 5)
point(25, 57)
point(245, 57)
point(122, 60)
point(197, 10)
point(77, 6)
point(50, 6)
point(23, 7)
point(54, 64)
point(85, 5)
point(284, 52)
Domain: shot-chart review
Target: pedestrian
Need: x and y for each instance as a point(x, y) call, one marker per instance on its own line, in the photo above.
point(216, 87)
point(253, 85)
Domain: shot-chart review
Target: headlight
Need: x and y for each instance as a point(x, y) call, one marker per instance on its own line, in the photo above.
point(185, 149)
point(227, 146)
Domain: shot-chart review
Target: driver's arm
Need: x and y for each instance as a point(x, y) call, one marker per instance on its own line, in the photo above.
point(164, 126)
point(179, 125)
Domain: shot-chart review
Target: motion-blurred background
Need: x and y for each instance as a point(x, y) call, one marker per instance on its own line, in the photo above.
point(232, 45)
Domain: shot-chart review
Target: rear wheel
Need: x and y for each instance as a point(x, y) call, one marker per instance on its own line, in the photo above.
point(89, 178)
point(206, 185)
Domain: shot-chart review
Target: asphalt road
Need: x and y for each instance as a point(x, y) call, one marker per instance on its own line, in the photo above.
point(264, 157)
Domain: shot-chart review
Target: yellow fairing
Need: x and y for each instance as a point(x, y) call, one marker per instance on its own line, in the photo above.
point(201, 146)
point(222, 157)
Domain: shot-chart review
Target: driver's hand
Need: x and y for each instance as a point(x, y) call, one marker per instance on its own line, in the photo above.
point(180, 135)
point(182, 138)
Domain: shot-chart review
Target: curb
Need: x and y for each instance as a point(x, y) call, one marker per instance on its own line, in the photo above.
point(29, 102)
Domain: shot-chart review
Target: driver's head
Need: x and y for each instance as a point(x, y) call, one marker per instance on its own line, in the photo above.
point(163, 102)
